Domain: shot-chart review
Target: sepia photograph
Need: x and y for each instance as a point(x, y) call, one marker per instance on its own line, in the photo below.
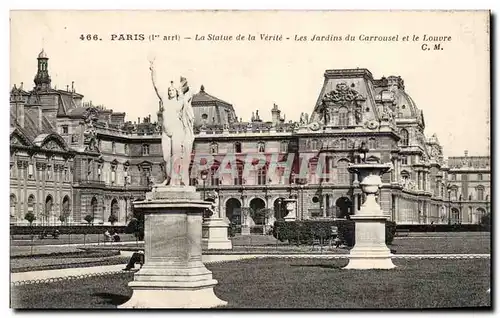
point(250, 159)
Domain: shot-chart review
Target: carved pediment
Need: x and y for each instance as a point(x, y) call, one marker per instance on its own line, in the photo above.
point(52, 145)
point(342, 95)
point(18, 139)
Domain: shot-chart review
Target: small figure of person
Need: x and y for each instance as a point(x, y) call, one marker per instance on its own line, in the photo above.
point(107, 236)
point(116, 237)
point(55, 234)
point(137, 257)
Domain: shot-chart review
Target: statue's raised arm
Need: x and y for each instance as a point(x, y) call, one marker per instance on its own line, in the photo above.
point(155, 81)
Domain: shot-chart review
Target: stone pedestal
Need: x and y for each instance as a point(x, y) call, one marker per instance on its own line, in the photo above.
point(215, 235)
point(291, 207)
point(245, 230)
point(173, 275)
point(370, 250)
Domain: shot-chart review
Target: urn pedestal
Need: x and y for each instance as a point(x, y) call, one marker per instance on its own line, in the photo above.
point(370, 250)
point(173, 275)
point(291, 207)
point(215, 234)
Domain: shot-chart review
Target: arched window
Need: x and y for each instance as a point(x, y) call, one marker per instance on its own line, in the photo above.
point(314, 144)
point(48, 208)
point(404, 137)
point(405, 176)
point(342, 173)
point(261, 176)
point(261, 147)
point(214, 148)
point(343, 143)
point(31, 203)
point(284, 146)
point(480, 193)
point(13, 205)
point(237, 147)
point(65, 208)
point(343, 116)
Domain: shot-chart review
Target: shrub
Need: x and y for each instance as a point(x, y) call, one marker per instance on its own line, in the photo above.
point(89, 218)
point(304, 232)
point(112, 219)
point(30, 217)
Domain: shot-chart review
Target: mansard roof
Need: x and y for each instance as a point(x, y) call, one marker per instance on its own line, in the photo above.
point(203, 98)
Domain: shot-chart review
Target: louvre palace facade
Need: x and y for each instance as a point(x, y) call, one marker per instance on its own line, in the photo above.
point(70, 158)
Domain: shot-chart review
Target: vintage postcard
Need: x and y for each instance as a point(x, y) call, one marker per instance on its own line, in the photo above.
point(250, 159)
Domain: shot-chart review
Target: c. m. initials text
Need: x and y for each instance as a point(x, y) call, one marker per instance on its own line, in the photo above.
point(431, 47)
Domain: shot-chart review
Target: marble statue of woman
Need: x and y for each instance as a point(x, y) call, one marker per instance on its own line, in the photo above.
point(177, 129)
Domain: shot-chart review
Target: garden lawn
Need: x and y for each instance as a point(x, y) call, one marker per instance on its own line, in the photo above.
point(296, 283)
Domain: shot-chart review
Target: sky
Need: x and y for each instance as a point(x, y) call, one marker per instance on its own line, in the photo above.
point(450, 85)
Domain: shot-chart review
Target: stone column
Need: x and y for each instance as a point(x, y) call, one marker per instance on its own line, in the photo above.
point(173, 275)
point(245, 229)
point(370, 250)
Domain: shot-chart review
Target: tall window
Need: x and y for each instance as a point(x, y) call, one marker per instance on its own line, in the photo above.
point(454, 177)
point(314, 144)
point(404, 137)
point(113, 173)
point(343, 117)
point(146, 175)
point(113, 147)
point(342, 173)
point(372, 143)
point(30, 171)
point(214, 148)
point(214, 177)
point(284, 146)
point(237, 147)
point(480, 177)
point(261, 147)
point(261, 176)
point(99, 172)
point(65, 129)
point(480, 193)
point(238, 180)
point(404, 160)
point(49, 172)
point(145, 150)
point(125, 148)
point(343, 143)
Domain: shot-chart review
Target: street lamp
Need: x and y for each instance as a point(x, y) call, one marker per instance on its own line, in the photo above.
point(460, 209)
point(204, 175)
point(487, 204)
point(449, 204)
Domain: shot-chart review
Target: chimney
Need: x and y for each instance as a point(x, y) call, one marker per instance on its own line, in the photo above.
point(73, 86)
point(21, 87)
point(67, 88)
point(466, 153)
point(138, 120)
point(149, 118)
point(275, 114)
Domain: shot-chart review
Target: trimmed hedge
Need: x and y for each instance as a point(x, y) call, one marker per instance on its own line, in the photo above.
point(305, 232)
point(444, 227)
point(66, 229)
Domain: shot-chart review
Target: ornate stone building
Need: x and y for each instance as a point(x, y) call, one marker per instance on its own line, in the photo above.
point(77, 159)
